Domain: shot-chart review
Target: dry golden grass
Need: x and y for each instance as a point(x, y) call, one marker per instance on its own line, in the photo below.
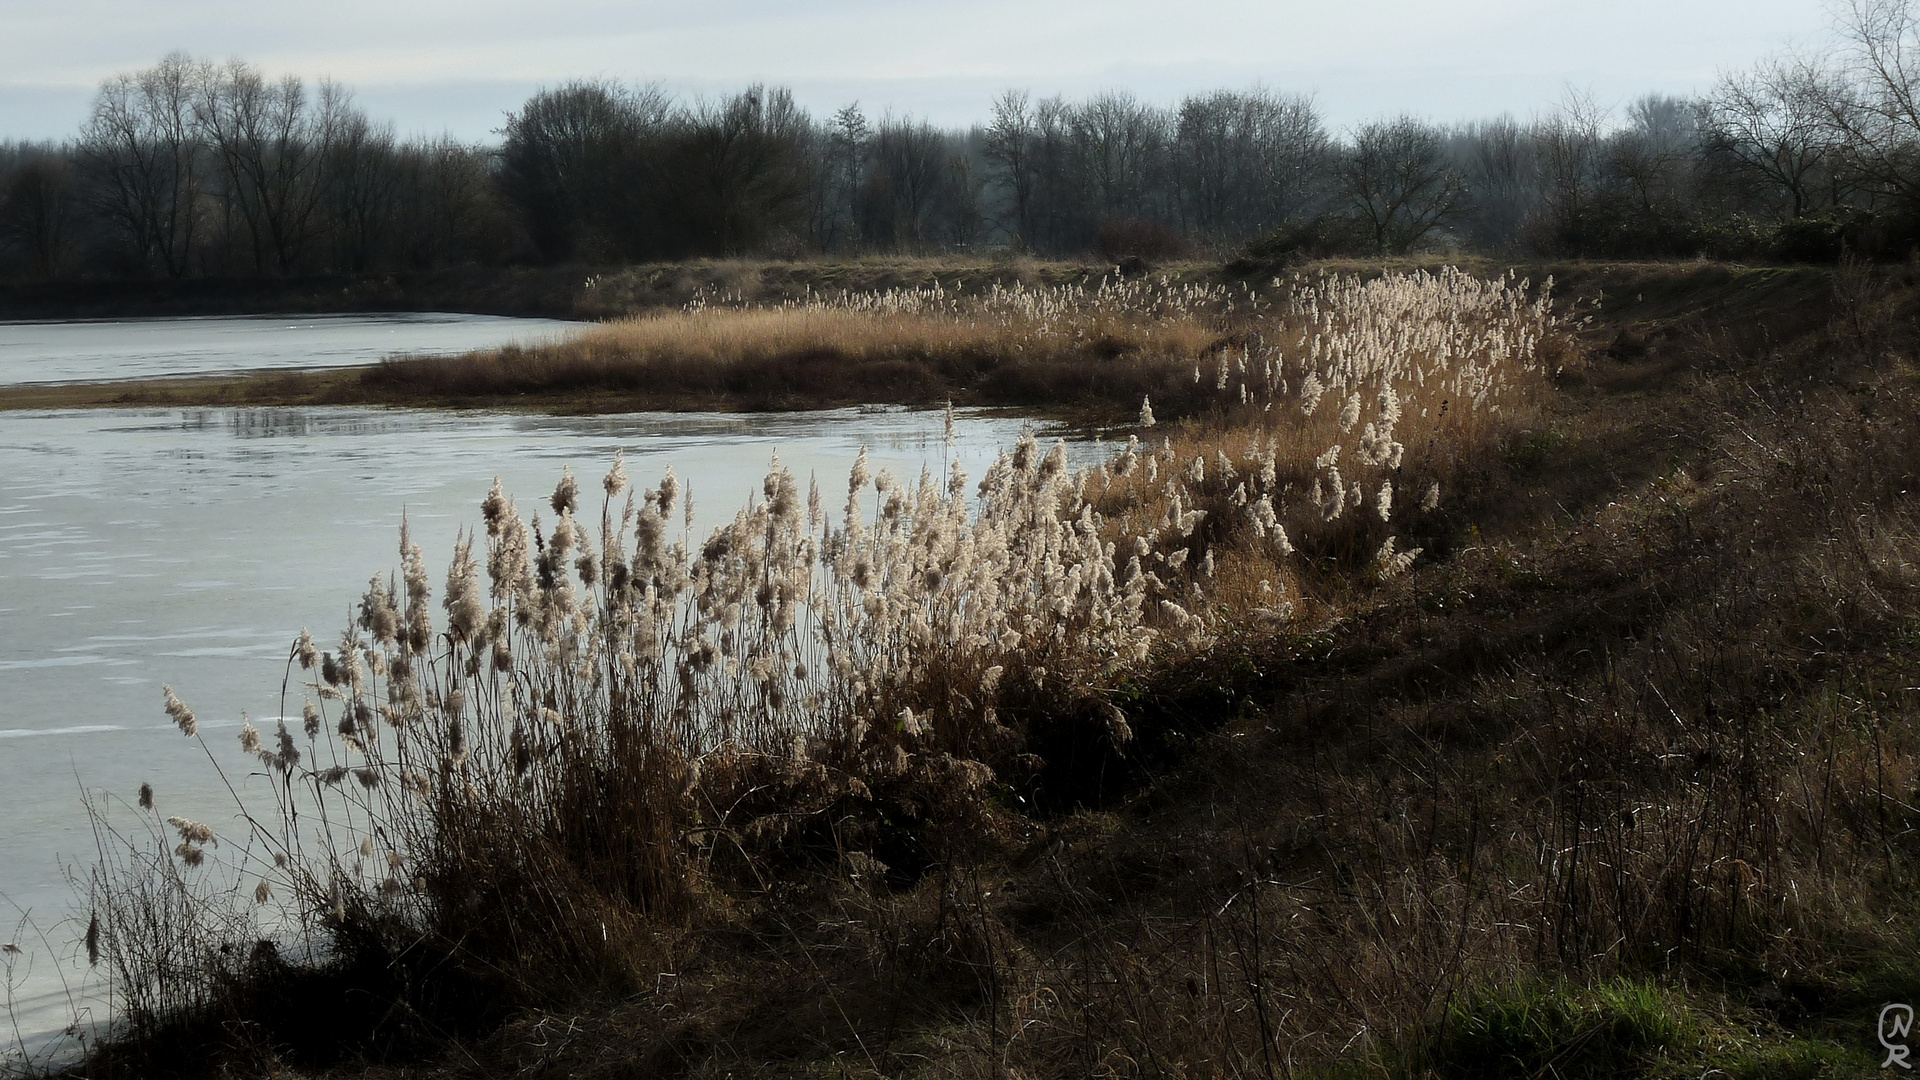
point(1639, 721)
point(621, 721)
point(1100, 347)
point(744, 335)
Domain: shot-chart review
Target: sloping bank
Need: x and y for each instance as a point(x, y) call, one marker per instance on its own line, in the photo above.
point(1188, 764)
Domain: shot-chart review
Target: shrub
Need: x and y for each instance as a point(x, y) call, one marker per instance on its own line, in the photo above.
point(1319, 237)
point(1120, 240)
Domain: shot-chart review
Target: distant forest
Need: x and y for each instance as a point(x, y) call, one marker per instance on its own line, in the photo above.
point(195, 169)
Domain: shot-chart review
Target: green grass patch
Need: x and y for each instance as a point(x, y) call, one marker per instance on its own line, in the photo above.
point(1523, 1030)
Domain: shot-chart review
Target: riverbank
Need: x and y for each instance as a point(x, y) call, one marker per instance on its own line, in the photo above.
point(1614, 779)
point(658, 360)
point(840, 387)
point(557, 292)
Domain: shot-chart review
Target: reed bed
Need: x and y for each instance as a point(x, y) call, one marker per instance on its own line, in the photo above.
point(1104, 344)
point(602, 726)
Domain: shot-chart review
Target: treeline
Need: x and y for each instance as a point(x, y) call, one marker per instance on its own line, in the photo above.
point(192, 169)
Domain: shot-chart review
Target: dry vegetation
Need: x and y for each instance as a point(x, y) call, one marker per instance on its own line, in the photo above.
point(1103, 344)
point(1435, 700)
point(738, 335)
point(1095, 346)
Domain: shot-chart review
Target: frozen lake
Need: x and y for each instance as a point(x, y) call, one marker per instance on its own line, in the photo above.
point(110, 349)
point(190, 546)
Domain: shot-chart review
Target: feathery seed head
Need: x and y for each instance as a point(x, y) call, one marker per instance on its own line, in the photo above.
point(1350, 415)
point(616, 479)
point(466, 610)
point(496, 508)
point(191, 831)
point(669, 491)
point(1389, 563)
point(287, 755)
point(861, 474)
point(566, 494)
point(178, 712)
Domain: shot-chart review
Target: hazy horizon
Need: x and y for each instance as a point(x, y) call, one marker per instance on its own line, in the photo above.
point(474, 62)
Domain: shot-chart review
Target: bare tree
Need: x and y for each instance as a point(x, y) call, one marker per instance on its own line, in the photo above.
point(446, 205)
point(1246, 162)
point(36, 210)
point(1009, 152)
point(1775, 123)
point(960, 219)
point(1653, 161)
point(1062, 217)
point(1876, 106)
point(910, 179)
point(849, 139)
point(143, 157)
point(1567, 160)
point(574, 162)
point(361, 175)
point(272, 142)
point(1398, 182)
point(1495, 157)
point(1118, 143)
point(740, 171)
point(1032, 153)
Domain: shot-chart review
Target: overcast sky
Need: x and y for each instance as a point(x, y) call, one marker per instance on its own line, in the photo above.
point(458, 65)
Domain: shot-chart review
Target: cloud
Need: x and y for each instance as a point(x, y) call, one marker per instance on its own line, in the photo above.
point(440, 65)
